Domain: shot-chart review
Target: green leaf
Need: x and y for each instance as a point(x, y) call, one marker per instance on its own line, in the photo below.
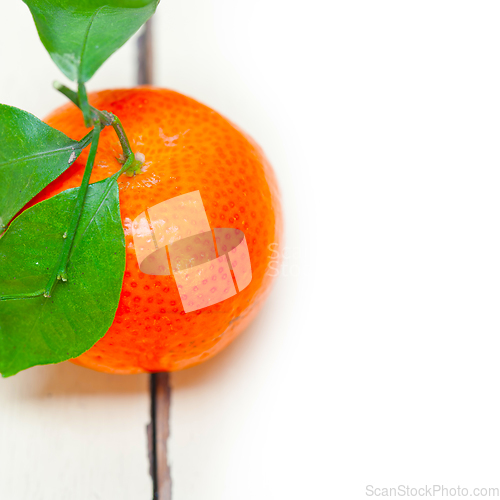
point(39, 330)
point(81, 34)
point(32, 155)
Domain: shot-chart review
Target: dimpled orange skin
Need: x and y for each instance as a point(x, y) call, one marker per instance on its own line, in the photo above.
point(187, 147)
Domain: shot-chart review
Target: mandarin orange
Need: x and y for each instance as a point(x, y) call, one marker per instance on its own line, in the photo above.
point(187, 147)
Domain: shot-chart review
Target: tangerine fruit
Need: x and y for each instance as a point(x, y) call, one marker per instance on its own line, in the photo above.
point(186, 147)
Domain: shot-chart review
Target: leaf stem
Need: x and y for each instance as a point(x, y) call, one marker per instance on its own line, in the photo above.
point(85, 141)
point(73, 97)
point(70, 94)
point(105, 117)
point(120, 132)
point(125, 167)
point(60, 270)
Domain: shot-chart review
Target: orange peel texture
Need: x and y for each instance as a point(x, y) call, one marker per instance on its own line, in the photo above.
point(187, 147)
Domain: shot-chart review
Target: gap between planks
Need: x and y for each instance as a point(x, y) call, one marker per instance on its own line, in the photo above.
point(158, 429)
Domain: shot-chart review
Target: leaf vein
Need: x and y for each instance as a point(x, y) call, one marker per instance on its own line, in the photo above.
point(102, 201)
point(37, 155)
point(85, 40)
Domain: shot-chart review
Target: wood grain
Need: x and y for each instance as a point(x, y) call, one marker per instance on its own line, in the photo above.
point(68, 432)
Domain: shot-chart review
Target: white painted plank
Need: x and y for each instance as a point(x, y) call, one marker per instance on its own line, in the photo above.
point(380, 367)
point(66, 432)
point(69, 432)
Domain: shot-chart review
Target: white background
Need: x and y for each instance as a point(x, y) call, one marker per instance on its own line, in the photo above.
point(374, 361)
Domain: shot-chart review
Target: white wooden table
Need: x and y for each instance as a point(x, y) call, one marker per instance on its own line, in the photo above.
point(375, 360)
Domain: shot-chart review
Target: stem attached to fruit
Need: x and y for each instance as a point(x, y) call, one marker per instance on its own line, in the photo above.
point(60, 270)
point(122, 136)
point(126, 166)
point(104, 117)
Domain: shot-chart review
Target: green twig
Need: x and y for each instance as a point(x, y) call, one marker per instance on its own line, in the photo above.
point(120, 132)
point(60, 270)
point(105, 117)
point(130, 160)
point(70, 94)
point(73, 97)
